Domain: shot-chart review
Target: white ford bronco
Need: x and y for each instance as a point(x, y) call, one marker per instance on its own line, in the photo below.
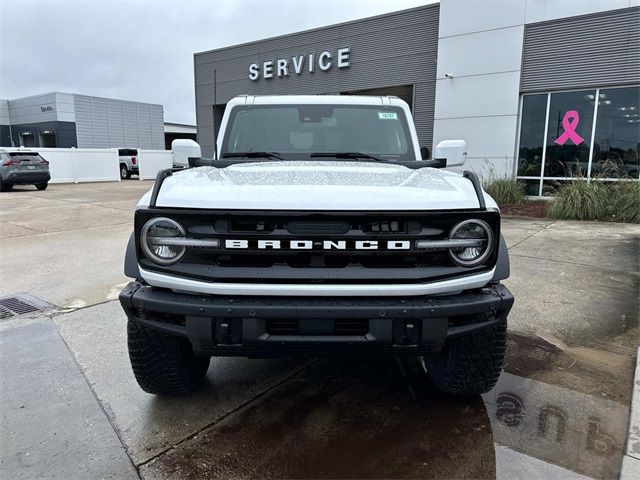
point(318, 229)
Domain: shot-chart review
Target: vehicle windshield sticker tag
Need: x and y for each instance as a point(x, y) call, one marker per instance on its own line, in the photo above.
point(387, 116)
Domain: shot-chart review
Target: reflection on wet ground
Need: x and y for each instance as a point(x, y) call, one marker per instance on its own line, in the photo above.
point(557, 411)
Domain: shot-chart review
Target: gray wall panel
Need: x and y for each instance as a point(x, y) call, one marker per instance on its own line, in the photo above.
point(84, 121)
point(101, 138)
point(4, 112)
point(116, 127)
point(389, 50)
point(130, 123)
point(109, 123)
point(587, 51)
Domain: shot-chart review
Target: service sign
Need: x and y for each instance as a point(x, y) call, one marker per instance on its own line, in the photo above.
point(298, 64)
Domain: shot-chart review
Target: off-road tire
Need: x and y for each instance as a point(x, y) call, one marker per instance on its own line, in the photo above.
point(164, 364)
point(125, 174)
point(42, 186)
point(471, 364)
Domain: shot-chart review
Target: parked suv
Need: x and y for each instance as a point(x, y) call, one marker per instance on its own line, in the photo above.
point(319, 230)
point(23, 168)
point(128, 162)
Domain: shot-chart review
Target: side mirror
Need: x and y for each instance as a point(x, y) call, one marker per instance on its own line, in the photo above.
point(452, 152)
point(183, 149)
point(425, 153)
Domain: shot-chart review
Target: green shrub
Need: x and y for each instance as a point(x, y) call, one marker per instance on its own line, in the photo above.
point(625, 205)
point(596, 200)
point(506, 191)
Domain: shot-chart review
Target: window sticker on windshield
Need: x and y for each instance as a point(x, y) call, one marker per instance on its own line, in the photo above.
point(387, 116)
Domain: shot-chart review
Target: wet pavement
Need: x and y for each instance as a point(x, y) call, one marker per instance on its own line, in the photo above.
point(70, 407)
point(348, 418)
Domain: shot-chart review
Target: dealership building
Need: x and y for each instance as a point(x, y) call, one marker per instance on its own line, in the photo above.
point(542, 89)
point(70, 120)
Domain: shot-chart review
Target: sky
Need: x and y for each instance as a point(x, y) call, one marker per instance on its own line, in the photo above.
point(143, 50)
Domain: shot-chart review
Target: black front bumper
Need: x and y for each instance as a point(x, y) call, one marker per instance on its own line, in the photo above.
point(277, 326)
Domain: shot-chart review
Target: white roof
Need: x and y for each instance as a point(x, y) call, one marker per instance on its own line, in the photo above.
point(315, 99)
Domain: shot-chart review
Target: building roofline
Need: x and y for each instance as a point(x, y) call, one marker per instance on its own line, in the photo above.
point(180, 124)
point(316, 29)
point(83, 95)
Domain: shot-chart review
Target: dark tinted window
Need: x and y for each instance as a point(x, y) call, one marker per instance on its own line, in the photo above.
point(569, 134)
point(534, 110)
point(298, 130)
point(617, 140)
point(25, 155)
point(127, 152)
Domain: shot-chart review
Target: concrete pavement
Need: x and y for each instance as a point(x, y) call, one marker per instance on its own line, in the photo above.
point(79, 230)
point(71, 408)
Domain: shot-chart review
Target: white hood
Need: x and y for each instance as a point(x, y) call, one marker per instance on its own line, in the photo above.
point(317, 185)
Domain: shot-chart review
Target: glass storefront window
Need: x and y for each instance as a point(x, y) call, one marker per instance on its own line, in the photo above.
point(569, 134)
point(617, 139)
point(544, 164)
point(532, 187)
point(534, 109)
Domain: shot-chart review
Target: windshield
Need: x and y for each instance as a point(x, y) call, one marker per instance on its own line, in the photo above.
point(299, 131)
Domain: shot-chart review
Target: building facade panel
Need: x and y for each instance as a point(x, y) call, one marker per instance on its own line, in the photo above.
point(491, 51)
point(65, 107)
point(156, 120)
point(39, 108)
point(84, 125)
point(100, 119)
point(70, 120)
point(106, 123)
point(479, 63)
point(463, 17)
point(114, 118)
point(485, 95)
point(592, 50)
point(542, 10)
point(4, 112)
point(130, 123)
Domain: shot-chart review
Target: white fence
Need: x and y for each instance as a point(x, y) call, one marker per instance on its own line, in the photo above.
point(152, 161)
point(75, 165)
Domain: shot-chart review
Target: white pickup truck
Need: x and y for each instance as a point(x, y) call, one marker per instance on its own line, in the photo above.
point(319, 229)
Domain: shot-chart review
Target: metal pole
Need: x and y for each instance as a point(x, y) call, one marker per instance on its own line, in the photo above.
point(215, 119)
point(10, 132)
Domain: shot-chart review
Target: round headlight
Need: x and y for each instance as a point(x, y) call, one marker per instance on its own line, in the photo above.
point(156, 239)
point(471, 256)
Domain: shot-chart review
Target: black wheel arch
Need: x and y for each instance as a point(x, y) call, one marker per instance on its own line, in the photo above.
point(502, 266)
point(131, 268)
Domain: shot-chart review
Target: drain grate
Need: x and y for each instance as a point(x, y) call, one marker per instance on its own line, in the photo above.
point(18, 305)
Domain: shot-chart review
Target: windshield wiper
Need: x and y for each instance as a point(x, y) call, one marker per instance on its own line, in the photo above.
point(253, 155)
point(347, 155)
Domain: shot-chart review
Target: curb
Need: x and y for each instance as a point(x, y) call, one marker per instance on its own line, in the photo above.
point(631, 459)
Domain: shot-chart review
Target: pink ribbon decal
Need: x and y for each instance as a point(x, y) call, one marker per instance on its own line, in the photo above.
point(569, 123)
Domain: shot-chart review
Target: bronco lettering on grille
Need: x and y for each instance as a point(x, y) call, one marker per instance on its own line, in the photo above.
point(318, 244)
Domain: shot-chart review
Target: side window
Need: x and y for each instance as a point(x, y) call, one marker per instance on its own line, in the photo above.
point(617, 140)
point(569, 134)
point(534, 110)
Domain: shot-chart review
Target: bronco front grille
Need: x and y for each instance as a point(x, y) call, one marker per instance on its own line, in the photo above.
point(343, 262)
